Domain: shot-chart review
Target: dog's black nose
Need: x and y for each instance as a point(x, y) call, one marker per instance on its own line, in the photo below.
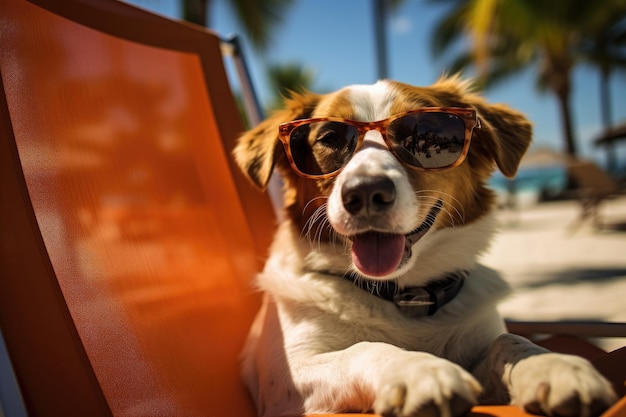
point(368, 194)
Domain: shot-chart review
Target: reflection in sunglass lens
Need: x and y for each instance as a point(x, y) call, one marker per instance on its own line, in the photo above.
point(428, 140)
point(320, 148)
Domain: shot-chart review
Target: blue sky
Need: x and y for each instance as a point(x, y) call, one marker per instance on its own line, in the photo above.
point(334, 38)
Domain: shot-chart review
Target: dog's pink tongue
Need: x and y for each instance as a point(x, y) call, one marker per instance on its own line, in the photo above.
point(377, 254)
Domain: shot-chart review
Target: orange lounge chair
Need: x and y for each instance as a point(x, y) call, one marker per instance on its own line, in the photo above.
point(128, 240)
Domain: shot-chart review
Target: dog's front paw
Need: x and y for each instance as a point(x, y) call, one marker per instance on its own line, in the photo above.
point(560, 385)
point(433, 387)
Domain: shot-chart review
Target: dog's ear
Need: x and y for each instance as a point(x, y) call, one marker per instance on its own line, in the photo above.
point(505, 134)
point(259, 149)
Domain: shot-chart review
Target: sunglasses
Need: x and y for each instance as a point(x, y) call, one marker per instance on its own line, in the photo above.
point(430, 138)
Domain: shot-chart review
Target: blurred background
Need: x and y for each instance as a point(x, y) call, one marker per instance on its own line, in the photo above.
point(562, 63)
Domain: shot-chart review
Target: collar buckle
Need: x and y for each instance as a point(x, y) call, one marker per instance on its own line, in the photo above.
point(414, 301)
point(427, 300)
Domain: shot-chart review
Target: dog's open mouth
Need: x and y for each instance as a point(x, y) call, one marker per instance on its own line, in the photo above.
point(377, 254)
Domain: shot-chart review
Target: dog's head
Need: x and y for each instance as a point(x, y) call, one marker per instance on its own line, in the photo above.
point(379, 167)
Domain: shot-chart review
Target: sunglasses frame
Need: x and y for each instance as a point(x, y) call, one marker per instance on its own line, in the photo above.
point(468, 115)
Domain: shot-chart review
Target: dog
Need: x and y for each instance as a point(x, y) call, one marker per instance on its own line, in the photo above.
point(373, 296)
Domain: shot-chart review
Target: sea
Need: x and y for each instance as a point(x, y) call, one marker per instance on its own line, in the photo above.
point(531, 185)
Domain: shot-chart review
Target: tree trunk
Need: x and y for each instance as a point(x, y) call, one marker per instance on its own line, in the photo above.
point(380, 37)
point(563, 95)
point(607, 117)
point(605, 99)
point(195, 11)
point(566, 123)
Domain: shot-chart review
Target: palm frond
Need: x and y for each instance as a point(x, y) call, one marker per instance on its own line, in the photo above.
point(258, 18)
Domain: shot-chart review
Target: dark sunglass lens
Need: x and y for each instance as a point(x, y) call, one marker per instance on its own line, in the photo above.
point(429, 139)
point(321, 148)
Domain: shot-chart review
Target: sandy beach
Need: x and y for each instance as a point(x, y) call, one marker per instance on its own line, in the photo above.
point(560, 268)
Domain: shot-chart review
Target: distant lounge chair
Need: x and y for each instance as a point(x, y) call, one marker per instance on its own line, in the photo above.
point(594, 187)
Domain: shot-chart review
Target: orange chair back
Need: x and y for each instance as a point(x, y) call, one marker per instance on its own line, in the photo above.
point(128, 238)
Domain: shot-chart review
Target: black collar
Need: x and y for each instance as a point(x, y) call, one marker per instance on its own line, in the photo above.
point(415, 301)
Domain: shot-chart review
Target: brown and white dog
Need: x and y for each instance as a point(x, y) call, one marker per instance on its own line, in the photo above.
point(374, 299)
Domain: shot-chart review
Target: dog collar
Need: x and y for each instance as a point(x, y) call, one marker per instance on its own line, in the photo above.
point(415, 301)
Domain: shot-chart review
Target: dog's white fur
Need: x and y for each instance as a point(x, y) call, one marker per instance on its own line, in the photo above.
point(320, 344)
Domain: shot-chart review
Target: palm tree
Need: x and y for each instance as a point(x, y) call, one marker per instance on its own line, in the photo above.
point(508, 36)
point(380, 13)
point(196, 11)
point(606, 49)
point(286, 79)
point(257, 17)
